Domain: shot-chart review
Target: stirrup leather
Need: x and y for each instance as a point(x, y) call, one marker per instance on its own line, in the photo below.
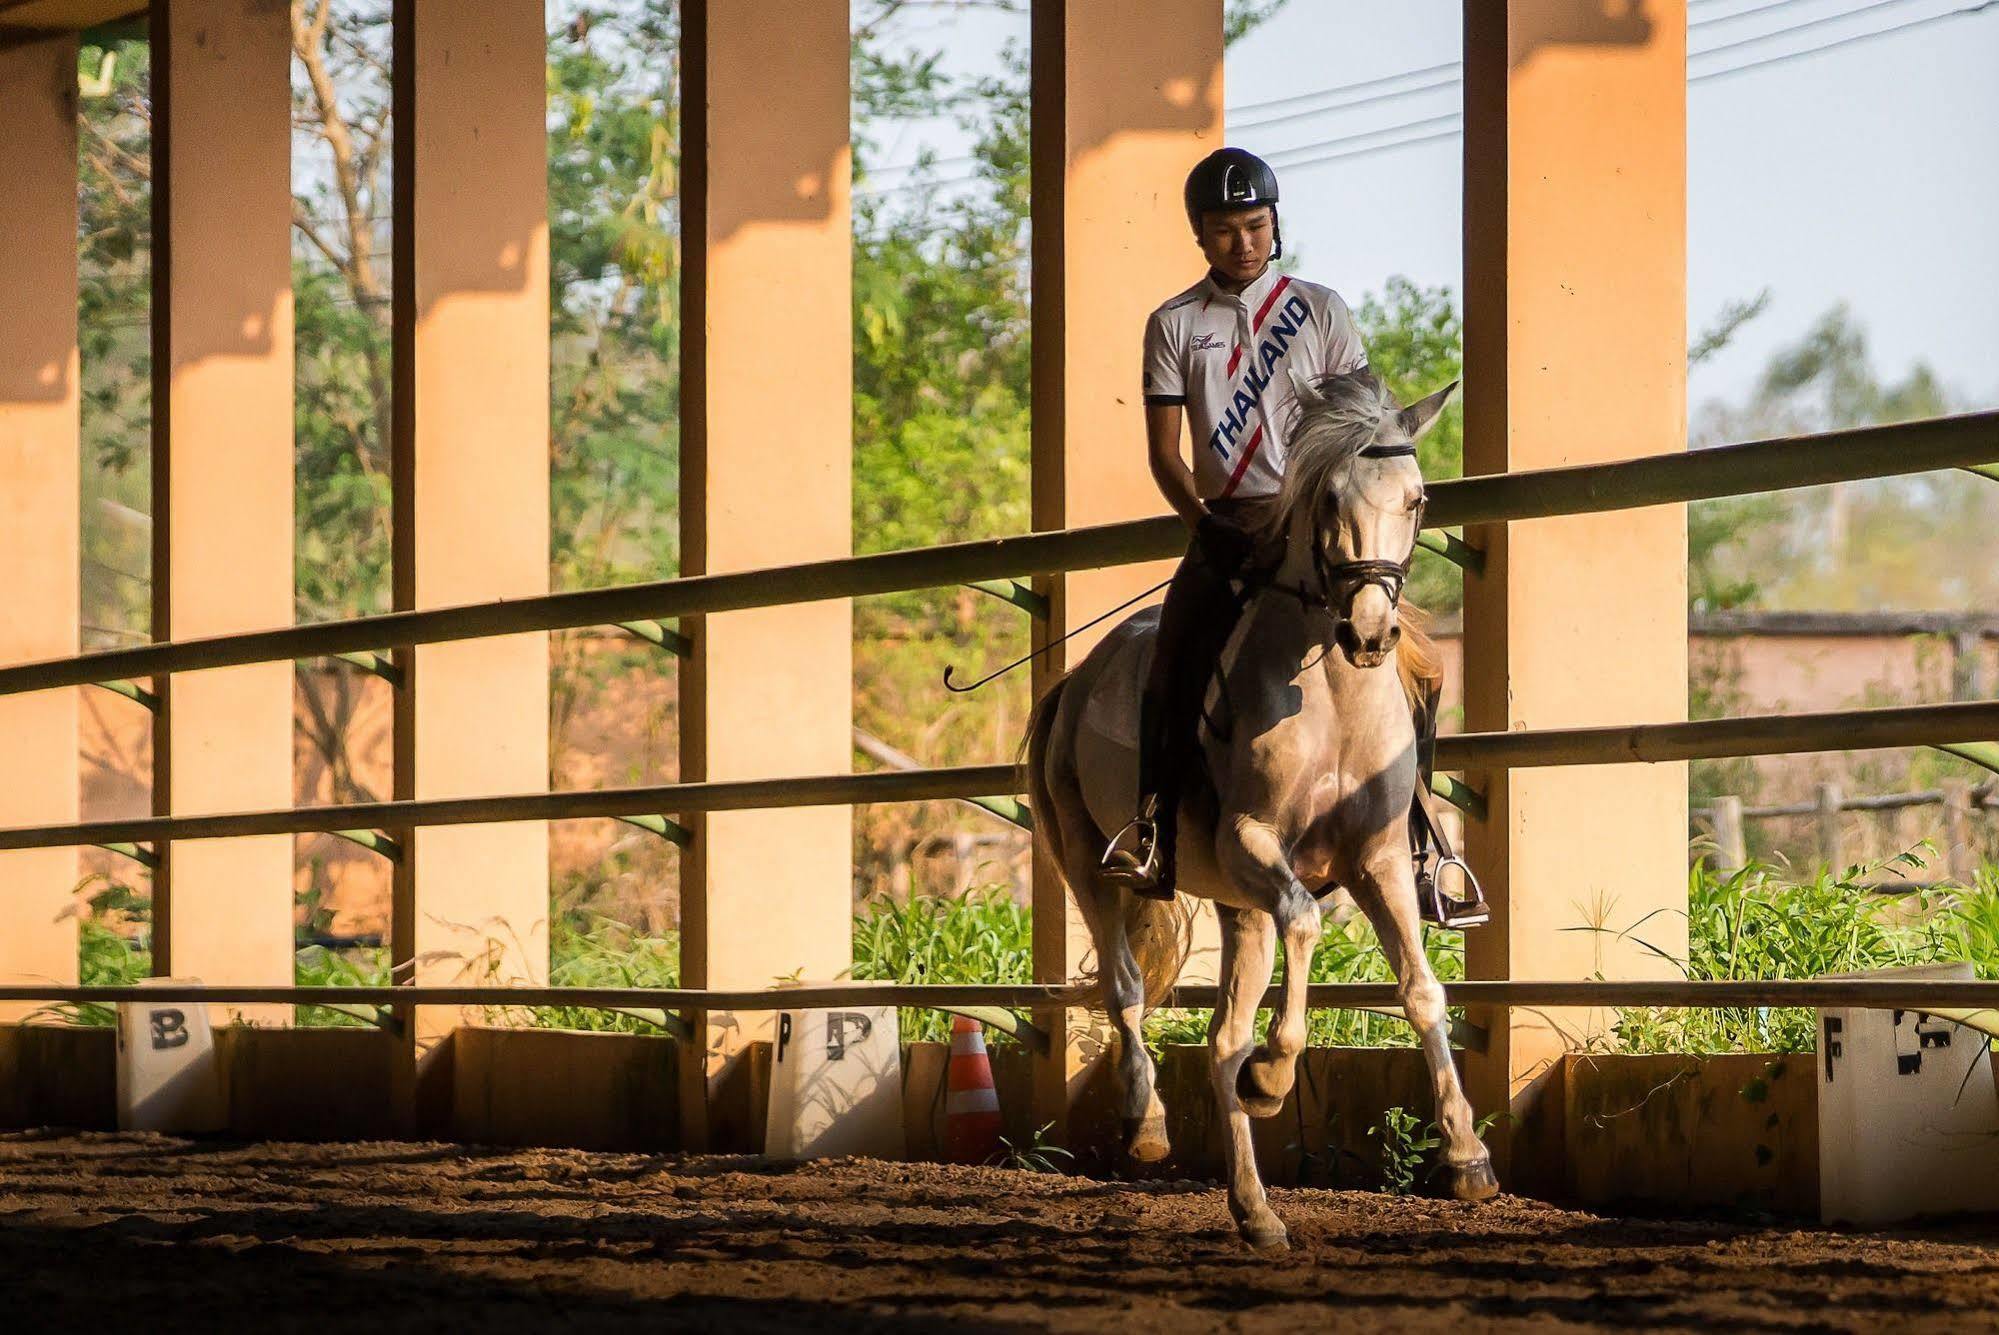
point(1430, 847)
point(1133, 856)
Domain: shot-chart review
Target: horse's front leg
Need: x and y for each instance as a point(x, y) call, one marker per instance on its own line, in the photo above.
point(1389, 899)
point(1255, 857)
point(1247, 948)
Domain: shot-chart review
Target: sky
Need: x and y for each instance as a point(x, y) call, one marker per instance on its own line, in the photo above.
point(1867, 173)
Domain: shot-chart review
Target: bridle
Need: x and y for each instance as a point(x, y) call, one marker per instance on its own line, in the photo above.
point(1340, 582)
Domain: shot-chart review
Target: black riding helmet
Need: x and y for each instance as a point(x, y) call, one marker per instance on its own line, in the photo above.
point(1233, 178)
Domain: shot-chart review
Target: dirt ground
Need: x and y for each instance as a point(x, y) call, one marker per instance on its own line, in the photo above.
point(109, 1232)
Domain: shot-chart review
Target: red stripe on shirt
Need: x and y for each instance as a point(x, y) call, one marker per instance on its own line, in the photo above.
point(1235, 360)
point(1269, 301)
point(1248, 453)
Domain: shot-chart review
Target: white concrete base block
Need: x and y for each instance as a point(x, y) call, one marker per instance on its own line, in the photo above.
point(168, 1079)
point(1908, 1113)
point(836, 1085)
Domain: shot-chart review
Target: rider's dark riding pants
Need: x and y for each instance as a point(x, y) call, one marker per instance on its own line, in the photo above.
point(1194, 625)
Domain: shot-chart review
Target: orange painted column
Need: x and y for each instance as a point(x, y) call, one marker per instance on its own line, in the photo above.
point(1127, 98)
point(1575, 305)
point(470, 465)
point(222, 476)
point(766, 479)
point(38, 499)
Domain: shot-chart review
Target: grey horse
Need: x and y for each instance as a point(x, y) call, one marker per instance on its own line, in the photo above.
point(1311, 756)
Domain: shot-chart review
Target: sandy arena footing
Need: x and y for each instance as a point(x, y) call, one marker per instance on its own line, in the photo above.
point(153, 1233)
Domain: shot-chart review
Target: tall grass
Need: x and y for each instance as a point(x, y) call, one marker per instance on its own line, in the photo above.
point(985, 937)
point(589, 951)
point(1753, 924)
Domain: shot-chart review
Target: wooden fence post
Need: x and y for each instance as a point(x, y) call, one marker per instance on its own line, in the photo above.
point(1964, 674)
point(1960, 856)
point(1830, 801)
point(1731, 852)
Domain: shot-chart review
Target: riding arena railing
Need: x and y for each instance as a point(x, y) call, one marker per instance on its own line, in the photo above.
point(1969, 441)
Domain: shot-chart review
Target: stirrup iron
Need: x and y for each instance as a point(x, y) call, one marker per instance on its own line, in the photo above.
point(1443, 908)
point(1133, 856)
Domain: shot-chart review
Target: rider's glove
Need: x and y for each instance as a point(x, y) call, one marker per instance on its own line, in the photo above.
point(1225, 544)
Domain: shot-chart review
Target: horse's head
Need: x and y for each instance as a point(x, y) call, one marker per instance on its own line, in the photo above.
point(1353, 492)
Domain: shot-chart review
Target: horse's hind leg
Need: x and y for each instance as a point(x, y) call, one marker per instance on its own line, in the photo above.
point(1248, 946)
point(1123, 984)
point(1390, 903)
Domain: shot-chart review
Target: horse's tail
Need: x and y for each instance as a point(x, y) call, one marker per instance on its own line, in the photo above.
point(1033, 758)
point(1160, 933)
point(1416, 655)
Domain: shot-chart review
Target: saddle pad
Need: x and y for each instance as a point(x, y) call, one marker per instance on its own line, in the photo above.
point(1112, 707)
point(1111, 710)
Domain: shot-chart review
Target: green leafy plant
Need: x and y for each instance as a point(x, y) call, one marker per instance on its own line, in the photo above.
point(1405, 1140)
point(1034, 1155)
point(324, 966)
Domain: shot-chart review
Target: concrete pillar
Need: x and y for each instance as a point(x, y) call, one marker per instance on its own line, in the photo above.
point(1575, 333)
point(1127, 98)
point(222, 475)
point(38, 498)
point(766, 479)
point(470, 470)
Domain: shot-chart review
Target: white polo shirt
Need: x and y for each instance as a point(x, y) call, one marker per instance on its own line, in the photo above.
point(1227, 356)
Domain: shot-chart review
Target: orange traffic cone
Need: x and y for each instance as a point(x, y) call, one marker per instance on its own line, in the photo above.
point(971, 1105)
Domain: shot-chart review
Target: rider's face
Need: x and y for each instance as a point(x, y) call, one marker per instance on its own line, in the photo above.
point(1237, 243)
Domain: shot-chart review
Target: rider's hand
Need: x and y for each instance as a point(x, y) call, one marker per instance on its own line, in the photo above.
point(1225, 544)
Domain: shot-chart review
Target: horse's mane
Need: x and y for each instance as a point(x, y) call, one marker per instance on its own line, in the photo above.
point(1341, 416)
point(1346, 414)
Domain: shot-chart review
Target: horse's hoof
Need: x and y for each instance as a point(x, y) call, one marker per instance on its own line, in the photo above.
point(1265, 1234)
point(1474, 1182)
point(1257, 1089)
point(1258, 1107)
point(1145, 1139)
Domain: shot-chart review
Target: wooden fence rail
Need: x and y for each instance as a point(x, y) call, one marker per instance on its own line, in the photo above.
point(1961, 801)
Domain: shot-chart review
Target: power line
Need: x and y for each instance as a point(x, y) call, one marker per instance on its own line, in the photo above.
point(1965, 12)
point(1457, 79)
point(1275, 103)
point(1763, 62)
point(1290, 156)
point(1435, 85)
point(1453, 68)
point(1820, 22)
point(1371, 99)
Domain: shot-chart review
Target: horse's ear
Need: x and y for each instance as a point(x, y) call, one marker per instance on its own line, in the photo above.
point(1421, 415)
point(1308, 393)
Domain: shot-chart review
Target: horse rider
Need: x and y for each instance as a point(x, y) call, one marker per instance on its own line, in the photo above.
point(1218, 355)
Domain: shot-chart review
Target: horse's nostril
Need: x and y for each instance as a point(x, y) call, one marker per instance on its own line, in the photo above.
point(1394, 636)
